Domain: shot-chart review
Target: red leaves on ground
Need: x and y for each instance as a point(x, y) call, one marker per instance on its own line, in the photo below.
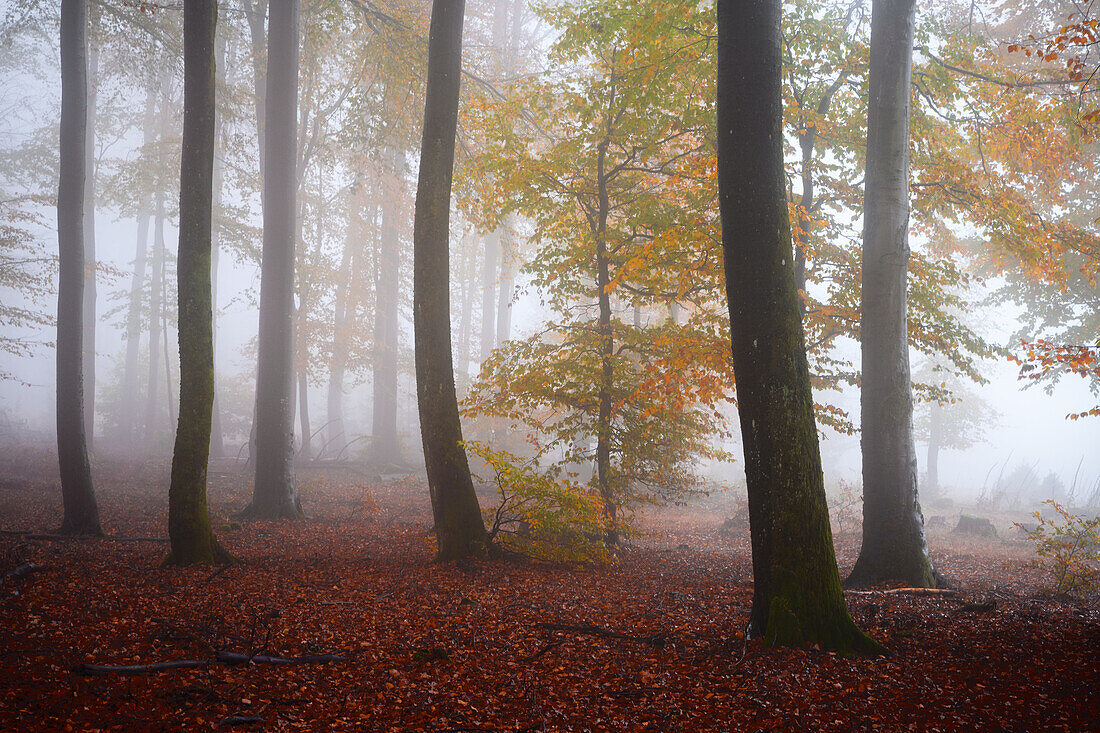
point(488, 646)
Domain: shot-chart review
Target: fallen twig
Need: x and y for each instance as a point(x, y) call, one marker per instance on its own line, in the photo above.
point(590, 630)
point(49, 537)
point(946, 592)
point(221, 657)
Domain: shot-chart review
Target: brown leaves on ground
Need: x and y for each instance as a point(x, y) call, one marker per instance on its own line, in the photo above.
point(490, 646)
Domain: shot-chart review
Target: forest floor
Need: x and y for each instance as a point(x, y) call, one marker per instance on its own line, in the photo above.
point(650, 642)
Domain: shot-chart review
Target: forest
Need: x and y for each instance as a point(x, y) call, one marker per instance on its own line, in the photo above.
point(549, 365)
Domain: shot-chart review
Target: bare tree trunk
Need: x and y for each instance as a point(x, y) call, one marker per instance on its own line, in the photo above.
point(459, 529)
point(507, 288)
point(607, 338)
point(797, 598)
point(274, 493)
point(77, 494)
point(335, 437)
point(466, 319)
point(189, 529)
point(385, 444)
point(137, 287)
point(217, 434)
point(156, 287)
point(89, 307)
point(488, 293)
point(935, 440)
point(894, 546)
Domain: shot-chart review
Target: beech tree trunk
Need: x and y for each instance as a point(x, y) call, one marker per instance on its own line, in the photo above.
point(274, 493)
point(137, 286)
point(607, 339)
point(77, 494)
point(797, 598)
point(894, 546)
point(488, 293)
point(459, 528)
point(89, 308)
point(156, 286)
point(217, 434)
point(935, 440)
point(385, 445)
point(189, 530)
point(507, 290)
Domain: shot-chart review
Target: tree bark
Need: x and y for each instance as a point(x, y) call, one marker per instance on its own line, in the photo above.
point(189, 529)
point(507, 289)
point(894, 546)
point(459, 528)
point(217, 434)
point(89, 307)
point(935, 441)
point(607, 338)
point(385, 444)
point(156, 284)
point(78, 497)
point(797, 598)
point(488, 293)
point(274, 493)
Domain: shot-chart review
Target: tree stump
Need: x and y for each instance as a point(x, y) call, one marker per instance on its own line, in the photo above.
point(975, 527)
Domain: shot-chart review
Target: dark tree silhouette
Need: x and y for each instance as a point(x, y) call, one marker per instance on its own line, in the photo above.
point(459, 528)
point(189, 529)
point(797, 598)
point(894, 546)
point(78, 497)
point(274, 494)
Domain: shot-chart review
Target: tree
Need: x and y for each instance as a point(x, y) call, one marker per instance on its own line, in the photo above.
point(459, 529)
point(894, 545)
point(797, 598)
point(81, 512)
point(189, 528)
point(274, 494)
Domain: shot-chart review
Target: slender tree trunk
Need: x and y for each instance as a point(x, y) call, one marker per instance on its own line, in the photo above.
point(797, 598)
point(274, 493)
point(935, 440)
point(256, 13)
point(488, 293)
point(466, 319)
point(303, 415)
point(607, 339)
point(385, 445)
point(192, 536)
point(169, 396)
point(89, 251)
point(460, 531)
point(77, 494)
point(894, 546)
point(156, 284)
point(217, 434)
point(335, 437)
point(137, 287)
point(507, 288)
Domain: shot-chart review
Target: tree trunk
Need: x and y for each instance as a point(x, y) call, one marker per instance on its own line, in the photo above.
point(385, 445)
point(607, 339)
point(797, 598)
point(466, 318)
point(935, 440)
point(78, 497)
point(894, 546)
point(274, 493)
point(488, 293)
point(306, 451)
point(89, 307)
point(156, 284)
point(507, 289)
point(137, 286)
point(335, 437)
point(460, 531)
point(192, 537)
point(217, 434)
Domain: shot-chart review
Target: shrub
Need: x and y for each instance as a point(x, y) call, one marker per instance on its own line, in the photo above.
point(1073, 545)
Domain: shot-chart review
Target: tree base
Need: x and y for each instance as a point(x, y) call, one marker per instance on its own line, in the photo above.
point(291, 510)
point(213, 556)
point(867, 575)
point(838, 633)
point(86, 529)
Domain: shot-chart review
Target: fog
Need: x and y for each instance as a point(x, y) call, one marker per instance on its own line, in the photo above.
point(1031, 426)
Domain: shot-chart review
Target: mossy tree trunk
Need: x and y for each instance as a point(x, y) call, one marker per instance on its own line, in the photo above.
point(274, 494)
point(894, 546)
point(77, 494)
point(459, 528)
point(797, 598)
point(192, 537)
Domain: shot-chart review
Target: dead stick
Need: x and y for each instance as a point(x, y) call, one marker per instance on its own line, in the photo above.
point(590, 630)
point(226, 658)
point(907, 592)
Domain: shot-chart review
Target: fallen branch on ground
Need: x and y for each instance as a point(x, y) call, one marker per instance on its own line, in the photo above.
point(590, 630)
point(947, 592)
point(22, 570)
point(226, 658)
point(48, 537)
